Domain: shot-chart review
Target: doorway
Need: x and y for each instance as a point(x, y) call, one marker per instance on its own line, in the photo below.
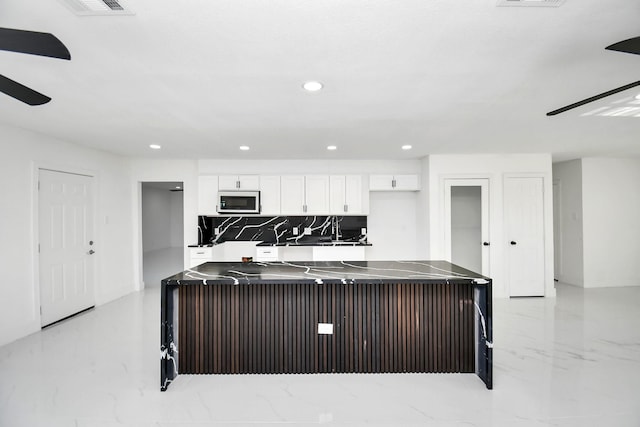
point(66, 244)
point(467, 223)
point(162, 231)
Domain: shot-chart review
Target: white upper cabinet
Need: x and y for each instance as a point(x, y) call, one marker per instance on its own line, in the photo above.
point(207, 195)
point(346, 195)
point(270, 195)
point(394, 182)
point(316, 194)
point(292, 189)
point(304, 195)
point(239, 182)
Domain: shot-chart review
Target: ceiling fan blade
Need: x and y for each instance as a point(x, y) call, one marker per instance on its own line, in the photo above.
point(627, 46)
point(21, 92)
point(33, 43)
point(593, 98)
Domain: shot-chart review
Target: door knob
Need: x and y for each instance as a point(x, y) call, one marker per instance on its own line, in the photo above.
point(513, 243)
point(91, 252)
point(485, 243)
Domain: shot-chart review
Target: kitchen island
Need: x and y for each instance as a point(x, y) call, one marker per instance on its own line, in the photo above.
point(324, 317)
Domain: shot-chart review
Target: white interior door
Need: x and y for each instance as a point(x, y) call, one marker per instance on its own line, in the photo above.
point(466, 215)
point(524, 218)
point(65, 218)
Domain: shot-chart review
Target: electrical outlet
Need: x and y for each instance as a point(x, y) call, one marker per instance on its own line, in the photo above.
point(307, 231)
point(295, 231)
point(216, 231)
point(325, 328)
point(363, 231)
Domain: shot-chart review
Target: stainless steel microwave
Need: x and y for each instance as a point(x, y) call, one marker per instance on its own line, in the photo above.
point(239, 202)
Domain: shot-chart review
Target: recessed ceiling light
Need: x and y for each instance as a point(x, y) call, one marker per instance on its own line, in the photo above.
point(312, 86)
point(155, 146)
point(332, 147)
point(244, 147)
point(406, 147)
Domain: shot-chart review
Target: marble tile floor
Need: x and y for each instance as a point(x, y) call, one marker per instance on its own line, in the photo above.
point(572, 361)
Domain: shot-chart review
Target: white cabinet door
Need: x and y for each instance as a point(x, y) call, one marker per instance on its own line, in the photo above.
point(338, 253)
point(317, 194)
point(337, 187)
point(408, 182)
point(199, 256)
point(524, 218)
point(239, 182)
point(345, 194)
point(249, 182)
point(207, 195)
point(228, 182)
point(353, 194)
point(292, 195)
point(380, 182)
point(270, 195)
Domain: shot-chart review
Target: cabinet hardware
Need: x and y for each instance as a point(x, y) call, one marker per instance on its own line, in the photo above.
point(513, 243)
point(486, 243)
point(393, 183)
point(346, 208)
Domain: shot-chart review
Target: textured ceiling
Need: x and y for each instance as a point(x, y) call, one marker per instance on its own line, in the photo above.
point(202, 77)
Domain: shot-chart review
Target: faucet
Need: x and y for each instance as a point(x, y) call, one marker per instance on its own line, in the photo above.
point(335, 228)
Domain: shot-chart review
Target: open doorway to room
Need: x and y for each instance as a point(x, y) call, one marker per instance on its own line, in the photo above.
point(162, 231)
point(467, 223)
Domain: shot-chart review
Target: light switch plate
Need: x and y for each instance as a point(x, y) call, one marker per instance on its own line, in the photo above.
point(295, 231)
point(216, 231)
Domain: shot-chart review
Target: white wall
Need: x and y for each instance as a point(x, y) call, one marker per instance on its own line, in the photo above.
point(494, 168)
point(392, 224)
point(283, 167)
point(611, 209)
point(176, 226)
point(162, 218)
point(156, 218)
point(22, 153)
point(569, 250)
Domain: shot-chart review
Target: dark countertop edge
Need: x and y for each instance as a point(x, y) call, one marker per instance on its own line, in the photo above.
point(263, 244)
point(245, 282)
point(347, 244)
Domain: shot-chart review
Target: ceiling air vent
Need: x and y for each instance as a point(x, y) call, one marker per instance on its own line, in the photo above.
point(97, 7)
point(531, 3)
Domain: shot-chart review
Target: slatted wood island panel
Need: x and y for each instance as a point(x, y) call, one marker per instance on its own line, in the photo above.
point(263, 318)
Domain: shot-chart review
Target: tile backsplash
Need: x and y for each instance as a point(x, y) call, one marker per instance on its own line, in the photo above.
point(280, 229)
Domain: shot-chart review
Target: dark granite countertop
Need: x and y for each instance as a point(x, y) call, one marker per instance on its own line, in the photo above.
point(298, 243)
point(346, 272)
point(319, 243)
